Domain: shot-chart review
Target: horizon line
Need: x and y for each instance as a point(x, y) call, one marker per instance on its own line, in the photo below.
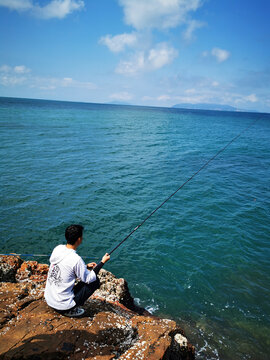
point(144, 106)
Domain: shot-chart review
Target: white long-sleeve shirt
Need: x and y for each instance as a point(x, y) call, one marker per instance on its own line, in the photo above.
point(65, 266)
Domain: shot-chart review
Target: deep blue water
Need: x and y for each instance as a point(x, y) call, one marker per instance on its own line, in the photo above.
point(202, 259)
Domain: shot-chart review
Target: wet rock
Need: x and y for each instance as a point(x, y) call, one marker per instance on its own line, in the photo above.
point(180, 340)
point(32, 271)
point(115, 290)
point(8, 267)
point(179, 347)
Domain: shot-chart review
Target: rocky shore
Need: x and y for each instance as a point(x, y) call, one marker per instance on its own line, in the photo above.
point(113, 327)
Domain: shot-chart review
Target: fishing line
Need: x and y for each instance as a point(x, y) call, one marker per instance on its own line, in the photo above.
point(32, 255)
point(153, 212)
point(180, 187)
point(15, 254)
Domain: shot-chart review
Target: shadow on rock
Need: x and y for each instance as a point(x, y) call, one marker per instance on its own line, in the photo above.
point(76, 344)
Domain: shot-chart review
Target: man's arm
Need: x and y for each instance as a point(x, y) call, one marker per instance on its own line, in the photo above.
point(97, 268)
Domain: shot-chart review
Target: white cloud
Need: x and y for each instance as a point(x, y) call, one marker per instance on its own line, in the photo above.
point(164, 14)
point(187, 88)
point(67, 82)
point(161, 55)
point(192, 26)
point(131, 67)
point(11, 76)
point(151, 60)
point(189, 96)
point(194, 99)
point(54, 9)
point(249, 98)
point(147, 98)
point(57, 8)
point(220, 54)
point(252, 98)
point(121, 96)
point(5, 68)
point(21, 69)
point(190, 91)
point(119, 42)
point(220, 94)
point(145, 16)
point(163, 98)
point(18, 69)
point(11, 80)
point(19, 5)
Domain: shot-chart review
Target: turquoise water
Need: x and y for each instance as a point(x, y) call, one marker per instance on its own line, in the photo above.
point(202, 259)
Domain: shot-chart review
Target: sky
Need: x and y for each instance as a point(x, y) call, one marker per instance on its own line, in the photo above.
point(142, 52)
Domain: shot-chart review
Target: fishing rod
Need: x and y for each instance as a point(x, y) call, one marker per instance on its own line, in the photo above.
point(180, 187)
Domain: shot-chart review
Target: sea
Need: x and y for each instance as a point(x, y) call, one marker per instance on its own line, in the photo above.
point(202, 259)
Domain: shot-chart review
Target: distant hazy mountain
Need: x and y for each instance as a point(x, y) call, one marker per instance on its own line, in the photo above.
point(205, 107)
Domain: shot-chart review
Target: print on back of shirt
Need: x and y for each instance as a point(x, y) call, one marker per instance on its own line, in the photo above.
point(54, 276)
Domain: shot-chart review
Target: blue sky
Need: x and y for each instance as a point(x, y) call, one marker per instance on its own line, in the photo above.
point(143, 52)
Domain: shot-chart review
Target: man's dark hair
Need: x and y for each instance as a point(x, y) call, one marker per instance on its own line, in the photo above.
point(72, 233)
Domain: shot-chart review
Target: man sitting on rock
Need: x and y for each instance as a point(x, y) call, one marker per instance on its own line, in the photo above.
point(65, 267)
